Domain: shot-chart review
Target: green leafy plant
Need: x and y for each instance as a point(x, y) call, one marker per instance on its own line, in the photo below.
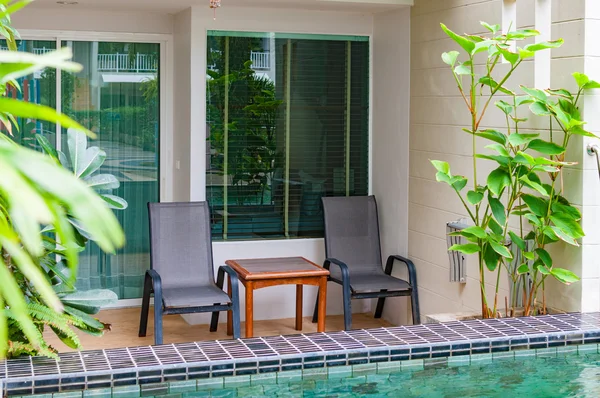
point(39, 200)
point(526, 185)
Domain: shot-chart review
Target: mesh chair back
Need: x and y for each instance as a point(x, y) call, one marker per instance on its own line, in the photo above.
point(180, 243)
point(352, 232)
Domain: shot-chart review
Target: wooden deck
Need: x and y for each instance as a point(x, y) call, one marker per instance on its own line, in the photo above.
point(125, 323)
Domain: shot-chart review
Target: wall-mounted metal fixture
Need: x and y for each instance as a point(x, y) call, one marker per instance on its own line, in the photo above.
point(594, 150)
point(458, 261)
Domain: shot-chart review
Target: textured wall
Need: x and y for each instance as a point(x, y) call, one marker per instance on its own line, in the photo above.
point(437, 116)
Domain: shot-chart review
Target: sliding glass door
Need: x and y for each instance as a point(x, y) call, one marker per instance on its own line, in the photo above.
point(117, 97)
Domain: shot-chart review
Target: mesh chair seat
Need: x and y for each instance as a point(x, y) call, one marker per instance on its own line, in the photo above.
point(194, 296)
point(371, 282)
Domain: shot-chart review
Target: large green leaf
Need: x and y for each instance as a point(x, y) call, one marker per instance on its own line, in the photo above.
point(544, 256)
point(469, 248)
point(565, 276)
point(563, 236)
point(450, 57)
point(508, 55)
point(538, 206)
point(493, 135)
point(567, 225)
point(537, 94)
point(475, 231)
point(498, 180)
point(522, 34)
point(465, 43)
point(102, 182)
point(442, 166)
point(14, 65)
point(84, 160)
point(517, 240)
point(517, 139)
point(581, 79)
point(490, 257)
point(498, 210)
point(90, 299)
point(80, 200)
point(474, 197)
point(534, 185)
point(118, 203)
point(491, 28)
point(566, 210)
point(489, 81)
point(545, 147)
point(501, 249)
point(39, 112)
point(544, 45)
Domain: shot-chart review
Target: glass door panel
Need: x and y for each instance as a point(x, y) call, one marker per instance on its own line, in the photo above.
point(116, 96)
point(38, 88)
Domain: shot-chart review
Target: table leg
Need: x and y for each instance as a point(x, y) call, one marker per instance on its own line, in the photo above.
point(298, 307)
point(249, 309)
point(322, 304)
point(229, 314)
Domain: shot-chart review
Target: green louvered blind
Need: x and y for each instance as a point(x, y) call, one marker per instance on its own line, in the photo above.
point(288, 123)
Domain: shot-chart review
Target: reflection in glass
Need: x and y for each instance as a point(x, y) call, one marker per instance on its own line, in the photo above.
point(116, 96)
point(288, 123)
point(38, 88)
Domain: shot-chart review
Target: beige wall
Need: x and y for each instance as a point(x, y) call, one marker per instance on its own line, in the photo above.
point(86, 20)
point(437, 116)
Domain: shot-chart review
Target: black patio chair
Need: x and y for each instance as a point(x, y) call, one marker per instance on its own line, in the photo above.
point(181, 272)
point(352, 245)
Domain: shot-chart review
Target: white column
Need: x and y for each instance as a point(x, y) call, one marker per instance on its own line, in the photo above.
point(509, 19)
point(543, 59)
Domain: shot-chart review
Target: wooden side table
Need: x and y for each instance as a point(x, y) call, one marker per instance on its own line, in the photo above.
point(258, 273)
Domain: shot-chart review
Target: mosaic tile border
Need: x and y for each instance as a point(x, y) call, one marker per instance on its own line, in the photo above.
point(361, 373)
point(139, 366)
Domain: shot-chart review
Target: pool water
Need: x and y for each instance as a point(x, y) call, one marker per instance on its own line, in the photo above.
point(526, 375)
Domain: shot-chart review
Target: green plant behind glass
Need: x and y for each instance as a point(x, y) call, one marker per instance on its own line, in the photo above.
point(252, 117)
point(526, 183)
point(37, 195)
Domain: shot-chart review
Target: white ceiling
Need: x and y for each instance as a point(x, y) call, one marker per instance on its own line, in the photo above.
point(174, 6)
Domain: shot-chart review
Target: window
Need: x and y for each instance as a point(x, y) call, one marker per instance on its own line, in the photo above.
point(287, 123)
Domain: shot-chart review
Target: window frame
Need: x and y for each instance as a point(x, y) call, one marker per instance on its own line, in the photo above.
point(291, 34)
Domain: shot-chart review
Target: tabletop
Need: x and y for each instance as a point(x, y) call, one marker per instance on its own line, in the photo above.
point(273, 268)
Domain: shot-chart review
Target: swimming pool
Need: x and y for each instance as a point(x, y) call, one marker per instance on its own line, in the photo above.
point(553, 355)
point(555, 372)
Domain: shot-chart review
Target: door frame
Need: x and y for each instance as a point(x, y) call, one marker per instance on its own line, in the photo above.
point(165, 42)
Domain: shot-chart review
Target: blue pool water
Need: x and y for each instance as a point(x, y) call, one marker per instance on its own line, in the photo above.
point(524, 376)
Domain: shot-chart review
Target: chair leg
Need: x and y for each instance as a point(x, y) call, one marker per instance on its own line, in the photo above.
point(347, 298)
point(235, 312)
point(414, 302)
point(379, 308)
point(158, 321)
point(145, 306)
point(214, 320)
point(315, 316)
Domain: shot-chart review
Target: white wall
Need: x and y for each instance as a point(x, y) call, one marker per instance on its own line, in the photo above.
point(86, 20)
point(275, 302)
point(390, 121)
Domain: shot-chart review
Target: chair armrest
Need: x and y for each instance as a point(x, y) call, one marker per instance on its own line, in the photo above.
point(156, 280)
point(412, 271)
point(343, 267)
point(233, 278)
